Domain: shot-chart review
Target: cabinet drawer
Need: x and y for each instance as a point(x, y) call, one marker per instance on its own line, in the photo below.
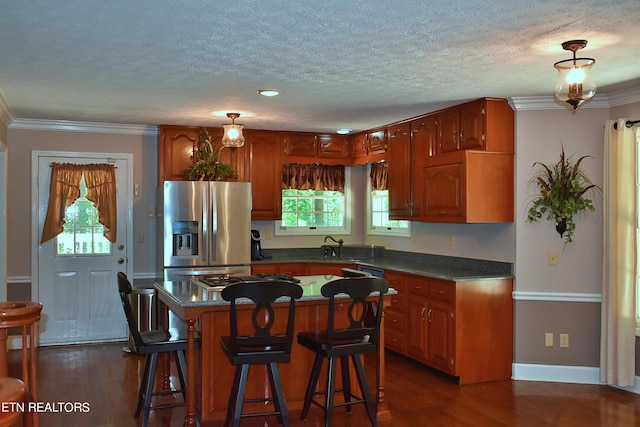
point(397, 301)
point(394, 340)
point(441, 291)
point(418, 285)
point(393, 320)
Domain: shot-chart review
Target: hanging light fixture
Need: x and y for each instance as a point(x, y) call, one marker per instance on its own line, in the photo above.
point(233, 137)
point(575, 85)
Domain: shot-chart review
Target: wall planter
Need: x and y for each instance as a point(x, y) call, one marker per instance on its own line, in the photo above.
point(563, 188)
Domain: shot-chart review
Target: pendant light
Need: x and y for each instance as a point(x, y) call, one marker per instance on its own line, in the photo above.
point(233, 137)
point(575, 85)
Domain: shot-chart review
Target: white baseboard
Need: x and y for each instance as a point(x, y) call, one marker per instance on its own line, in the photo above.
point(563, 374)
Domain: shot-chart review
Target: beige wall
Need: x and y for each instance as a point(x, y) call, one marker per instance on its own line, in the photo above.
point(21, 142)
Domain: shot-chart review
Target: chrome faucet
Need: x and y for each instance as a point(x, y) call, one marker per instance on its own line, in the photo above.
point(339, 242)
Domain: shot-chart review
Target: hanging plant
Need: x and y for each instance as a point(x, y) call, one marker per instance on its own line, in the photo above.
point(207, 164)
point(563, 193)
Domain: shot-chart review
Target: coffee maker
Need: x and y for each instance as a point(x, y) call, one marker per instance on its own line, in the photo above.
point(256, 248)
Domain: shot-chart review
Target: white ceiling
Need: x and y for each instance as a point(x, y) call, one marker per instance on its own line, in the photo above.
point(339, 63)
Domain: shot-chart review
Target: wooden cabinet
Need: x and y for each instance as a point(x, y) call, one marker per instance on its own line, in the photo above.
point(314, 268)
point(409, 143)
point(175, 152)
point(333, 147)
point(301, 269)
point(290, 269)
point(263, 161)
point(300, 144)
point(359, 147)
point(394, 315)
point(303, 147)
point(464, 329)
point(468, 186)
point(483, 124)
point(399, 174)
point(370, 146)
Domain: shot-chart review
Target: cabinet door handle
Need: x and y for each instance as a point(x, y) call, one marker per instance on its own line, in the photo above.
point(422, 314)
point(429, 315)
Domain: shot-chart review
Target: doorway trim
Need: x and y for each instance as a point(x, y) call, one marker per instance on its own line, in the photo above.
point(3, 220)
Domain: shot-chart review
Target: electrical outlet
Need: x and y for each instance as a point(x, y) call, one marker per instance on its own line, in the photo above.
point(548, 339)
point(140, 237)
point(414, 238)
point(564, 340)
point(553, 258)
point(269, 235)
point(452, 240)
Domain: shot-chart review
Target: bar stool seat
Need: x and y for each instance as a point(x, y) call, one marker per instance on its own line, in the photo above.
point(25, 314)
point(11, 395)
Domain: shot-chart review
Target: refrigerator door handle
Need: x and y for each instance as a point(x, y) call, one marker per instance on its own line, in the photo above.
point(213, 240)
point(204, 220)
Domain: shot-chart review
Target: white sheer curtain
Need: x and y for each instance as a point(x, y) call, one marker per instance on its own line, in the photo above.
point(617, 341)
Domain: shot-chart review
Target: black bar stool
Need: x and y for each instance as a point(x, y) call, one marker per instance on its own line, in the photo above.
point(150, 344)
point(263, 347)
point(359, 337)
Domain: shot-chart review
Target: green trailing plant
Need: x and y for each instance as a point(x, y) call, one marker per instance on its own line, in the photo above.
point(207, 164)
point(563, 190)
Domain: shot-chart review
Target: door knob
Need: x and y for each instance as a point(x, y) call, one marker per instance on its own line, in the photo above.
point(120, 260)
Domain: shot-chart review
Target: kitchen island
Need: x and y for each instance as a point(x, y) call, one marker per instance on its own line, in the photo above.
point(210, 375)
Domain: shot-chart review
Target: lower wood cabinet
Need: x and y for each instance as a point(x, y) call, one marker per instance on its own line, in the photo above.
point(301, 269)
point(464, 329)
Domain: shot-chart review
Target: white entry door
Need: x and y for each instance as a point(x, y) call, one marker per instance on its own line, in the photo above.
point(76, 278)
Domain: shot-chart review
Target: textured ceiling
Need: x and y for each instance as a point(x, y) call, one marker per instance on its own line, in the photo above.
point(355, 64)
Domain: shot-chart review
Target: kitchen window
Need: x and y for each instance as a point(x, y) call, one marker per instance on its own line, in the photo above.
point(315, 212)
point(378, 222)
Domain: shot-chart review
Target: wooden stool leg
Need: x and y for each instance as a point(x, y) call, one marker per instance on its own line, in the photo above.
point(25, 376)
point(32, 374)
point(4, 369)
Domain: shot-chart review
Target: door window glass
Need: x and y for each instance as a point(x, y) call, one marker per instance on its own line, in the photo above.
point(83, 234)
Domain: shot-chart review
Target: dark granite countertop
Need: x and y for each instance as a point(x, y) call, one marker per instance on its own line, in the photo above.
point(428, 265)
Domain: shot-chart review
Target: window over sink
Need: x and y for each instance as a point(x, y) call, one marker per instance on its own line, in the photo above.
point(315, 212)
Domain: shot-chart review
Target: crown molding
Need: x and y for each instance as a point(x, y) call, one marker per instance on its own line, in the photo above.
point(93, 127)
point(610, 100)
point(520, 103)
point(624, 97)
point(6, 115)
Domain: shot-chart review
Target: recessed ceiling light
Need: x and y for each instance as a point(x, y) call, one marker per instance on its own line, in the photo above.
point(269, 92)
point(343, 131)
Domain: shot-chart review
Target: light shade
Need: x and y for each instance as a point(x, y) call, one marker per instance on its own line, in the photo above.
point(233, 137)
point(575, 85)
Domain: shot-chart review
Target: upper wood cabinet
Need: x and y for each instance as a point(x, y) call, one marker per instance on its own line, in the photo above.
point(333, 147)
point(408, 144)
point(468, 186)
point(303, 147)
point(484, 124)
point(370, 146)
point(263, 162)
point(175, 152)
point(300, 144)
point(399, 172)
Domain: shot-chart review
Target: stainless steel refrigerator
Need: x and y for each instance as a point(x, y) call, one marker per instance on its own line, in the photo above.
point(205, 229)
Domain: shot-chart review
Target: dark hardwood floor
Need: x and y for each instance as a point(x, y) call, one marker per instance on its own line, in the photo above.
point(106, 378)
